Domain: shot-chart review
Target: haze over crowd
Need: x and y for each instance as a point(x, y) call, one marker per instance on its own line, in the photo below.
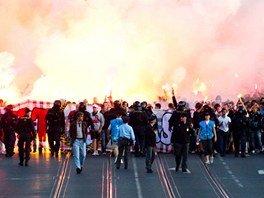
point(136, 49)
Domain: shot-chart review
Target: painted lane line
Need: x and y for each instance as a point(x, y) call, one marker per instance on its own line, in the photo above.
point(139, 191)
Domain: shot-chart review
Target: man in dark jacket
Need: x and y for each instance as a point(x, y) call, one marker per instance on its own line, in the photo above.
point(150, 142)
point(26, 133)
point(8, 124)
point(139, 121)
point(240, 128)
point(78, 130)
point(180, 139)
point(55, 127)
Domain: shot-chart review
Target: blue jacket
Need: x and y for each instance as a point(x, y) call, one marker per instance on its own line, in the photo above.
point(115, 124)
point(206, 132)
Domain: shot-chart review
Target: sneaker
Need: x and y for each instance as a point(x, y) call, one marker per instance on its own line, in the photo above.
point(95, 153)
point(211, 159)
point(207, 162)
point(122, 161)
point(104, 153)
point(253, 151)
point(186, 170)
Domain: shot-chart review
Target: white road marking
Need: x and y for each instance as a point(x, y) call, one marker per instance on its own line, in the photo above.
point(139, 192)
point(261, 172)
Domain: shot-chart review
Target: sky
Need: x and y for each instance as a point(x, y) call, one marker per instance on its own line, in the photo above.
point(133, 49)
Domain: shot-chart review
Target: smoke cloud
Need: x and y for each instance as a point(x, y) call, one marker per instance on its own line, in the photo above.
point(77, 49)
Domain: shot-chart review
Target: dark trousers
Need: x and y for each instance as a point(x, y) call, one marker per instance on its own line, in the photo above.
point(24, 147)
point(207, 146)
point(54, 140)
point(181, 154)
point(9, 141)
point(193, 138)
point(150, 156)
point(123, 148)
point(104, 140)
point(222, 141)
point(240, 139)
point(140, 139)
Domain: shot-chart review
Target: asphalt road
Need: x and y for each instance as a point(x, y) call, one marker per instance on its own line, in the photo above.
point(56, 177)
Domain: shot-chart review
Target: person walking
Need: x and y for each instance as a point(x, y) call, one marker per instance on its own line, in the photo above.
point(26, 133)
point(55, 120)
point(8, 124)
point(126, 138)
point(98, 123)
point(223, 131)
point(255, 129)
point(240, 127)
point(207, 134)
point(139, 121)
point(180, 139)
point(104, 134)
point(78, 130)
point(113, 131)
point(150, 143)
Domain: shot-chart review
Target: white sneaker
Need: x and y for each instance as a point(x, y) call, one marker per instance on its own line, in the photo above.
point(207, 162)
point(122, 161)
point(211, 159)
point(186, 171)
point(95, 153)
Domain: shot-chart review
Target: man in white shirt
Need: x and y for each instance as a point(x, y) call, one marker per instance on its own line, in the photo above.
point(223, 130)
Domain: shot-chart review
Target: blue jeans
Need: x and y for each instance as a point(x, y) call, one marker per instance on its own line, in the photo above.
point(255, 137)
point(79, 152)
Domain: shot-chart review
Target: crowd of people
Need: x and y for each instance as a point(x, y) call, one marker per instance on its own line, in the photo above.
point(217, 128)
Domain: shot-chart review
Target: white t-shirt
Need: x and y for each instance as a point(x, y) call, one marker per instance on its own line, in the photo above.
point(223, 123)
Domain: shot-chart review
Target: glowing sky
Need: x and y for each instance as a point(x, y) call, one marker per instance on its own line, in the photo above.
point(76, 49)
